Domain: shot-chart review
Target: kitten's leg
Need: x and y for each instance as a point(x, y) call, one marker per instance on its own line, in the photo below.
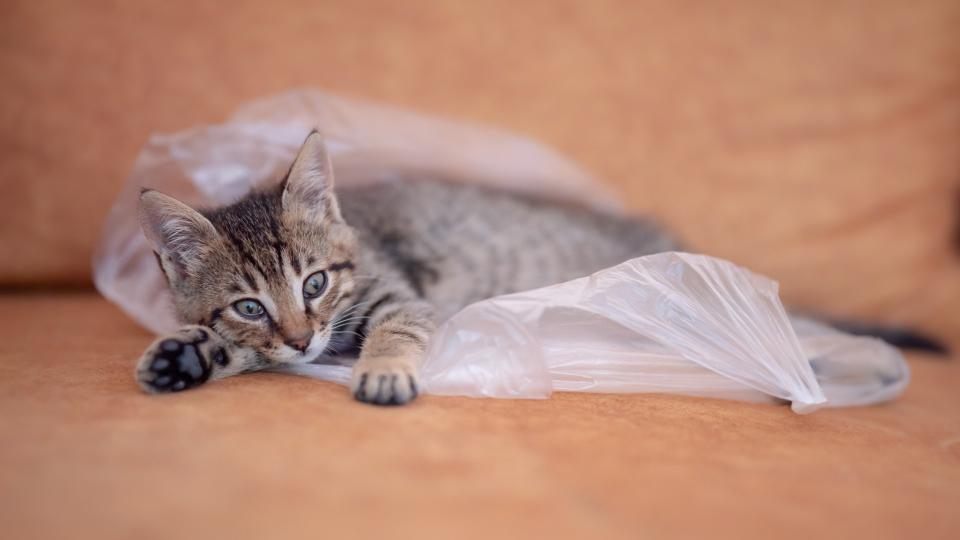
point(188, 358)
point(387, 372)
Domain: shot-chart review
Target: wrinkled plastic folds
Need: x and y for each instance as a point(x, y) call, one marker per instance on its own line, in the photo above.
point(672, 322)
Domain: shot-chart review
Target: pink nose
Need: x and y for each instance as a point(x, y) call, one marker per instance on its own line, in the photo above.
point(300, 342)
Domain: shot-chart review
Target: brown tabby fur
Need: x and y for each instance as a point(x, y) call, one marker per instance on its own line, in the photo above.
point(397, 258)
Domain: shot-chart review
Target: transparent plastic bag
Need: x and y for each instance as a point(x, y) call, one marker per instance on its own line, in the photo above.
point(672, 322)
point(209, 166)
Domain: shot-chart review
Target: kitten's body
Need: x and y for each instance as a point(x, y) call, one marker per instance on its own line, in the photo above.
point(453, 244)
point(393, 258)
point(295, 271)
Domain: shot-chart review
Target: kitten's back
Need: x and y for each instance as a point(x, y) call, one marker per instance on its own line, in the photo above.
point(458, 243)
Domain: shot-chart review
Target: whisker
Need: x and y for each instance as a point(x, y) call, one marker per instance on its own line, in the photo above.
point(349, 332)
point(350, 313)
point(340, 324)
point(352, 309)
point(358, 305)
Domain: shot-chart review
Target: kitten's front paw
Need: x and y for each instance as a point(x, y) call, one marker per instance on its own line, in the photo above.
point(180, 361)
point(383, 381)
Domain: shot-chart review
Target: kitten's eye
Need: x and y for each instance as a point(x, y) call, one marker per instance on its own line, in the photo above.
point(250, 309)
point(314, 285)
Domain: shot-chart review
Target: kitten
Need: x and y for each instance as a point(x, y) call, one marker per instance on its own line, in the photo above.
point(292, 272)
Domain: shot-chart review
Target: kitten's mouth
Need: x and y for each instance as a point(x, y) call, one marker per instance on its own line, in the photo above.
point(313, 352)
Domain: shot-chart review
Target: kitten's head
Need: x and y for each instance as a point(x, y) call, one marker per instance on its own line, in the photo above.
point(269, 272)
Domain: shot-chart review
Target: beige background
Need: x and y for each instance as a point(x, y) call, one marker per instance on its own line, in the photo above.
point(818, 142)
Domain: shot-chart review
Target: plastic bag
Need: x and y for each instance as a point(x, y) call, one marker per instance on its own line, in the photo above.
point(672, 322)
point(214, 165)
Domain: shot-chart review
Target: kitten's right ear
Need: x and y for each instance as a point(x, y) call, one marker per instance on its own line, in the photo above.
point(308, 189)
point(180, 235)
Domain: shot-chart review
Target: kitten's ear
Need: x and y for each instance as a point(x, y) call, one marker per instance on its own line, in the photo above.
point(309, 185)
point(180, 235)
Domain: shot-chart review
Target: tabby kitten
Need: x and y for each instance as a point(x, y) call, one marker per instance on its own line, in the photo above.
point(292, 272)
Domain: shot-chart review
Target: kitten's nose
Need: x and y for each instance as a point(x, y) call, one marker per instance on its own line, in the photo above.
point(300, 342)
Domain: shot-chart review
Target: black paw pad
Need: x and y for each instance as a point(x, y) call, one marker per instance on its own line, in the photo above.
point(177, 366)
point(360, 394)
point(386, 389)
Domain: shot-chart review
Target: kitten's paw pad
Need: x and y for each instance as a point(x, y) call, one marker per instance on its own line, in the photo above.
point(384, 384)
point(176, 363)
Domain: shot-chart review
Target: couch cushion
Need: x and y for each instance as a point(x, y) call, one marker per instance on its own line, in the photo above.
point(84, 454)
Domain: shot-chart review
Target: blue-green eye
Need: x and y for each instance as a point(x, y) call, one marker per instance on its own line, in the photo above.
point(250, 309)
point(314, 285)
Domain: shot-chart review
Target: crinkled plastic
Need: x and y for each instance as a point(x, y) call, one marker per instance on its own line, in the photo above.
point(672, 322)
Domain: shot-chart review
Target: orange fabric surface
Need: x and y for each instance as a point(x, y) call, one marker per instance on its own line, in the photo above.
point(818, 142)
point(84, 454)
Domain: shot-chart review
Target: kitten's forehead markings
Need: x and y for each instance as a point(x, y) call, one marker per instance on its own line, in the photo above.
point(252, 265)
point(295, 282)
point(249, 280)
point(295, 262)
point(277, 241)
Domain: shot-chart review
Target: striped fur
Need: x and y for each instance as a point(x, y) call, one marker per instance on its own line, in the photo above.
point(397, 257)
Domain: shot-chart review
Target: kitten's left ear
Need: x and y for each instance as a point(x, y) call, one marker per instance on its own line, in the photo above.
point(309, 185)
